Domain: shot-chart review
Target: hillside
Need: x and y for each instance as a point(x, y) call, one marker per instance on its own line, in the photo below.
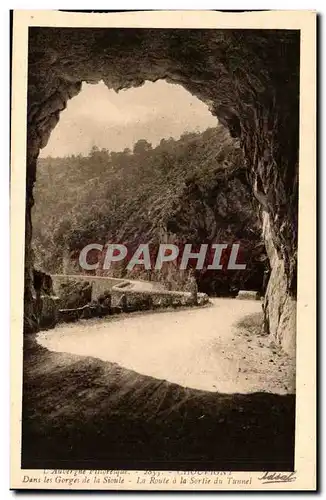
point(190, 190)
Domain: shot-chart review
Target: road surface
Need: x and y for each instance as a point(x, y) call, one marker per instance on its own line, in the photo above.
point(124, 392)
point(200, 348)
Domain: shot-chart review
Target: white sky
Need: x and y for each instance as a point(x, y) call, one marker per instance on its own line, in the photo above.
point(101, 117)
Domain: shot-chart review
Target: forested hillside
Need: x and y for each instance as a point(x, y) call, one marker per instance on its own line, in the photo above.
point(190, 190)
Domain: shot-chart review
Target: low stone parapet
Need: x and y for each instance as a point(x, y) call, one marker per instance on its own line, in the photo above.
point(248, 295)
point(152, 299)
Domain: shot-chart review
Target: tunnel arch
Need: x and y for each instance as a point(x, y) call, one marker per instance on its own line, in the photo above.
point(249, 79)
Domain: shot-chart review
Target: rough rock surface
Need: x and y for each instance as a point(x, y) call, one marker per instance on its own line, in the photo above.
point(250, 80)
point(74, 294)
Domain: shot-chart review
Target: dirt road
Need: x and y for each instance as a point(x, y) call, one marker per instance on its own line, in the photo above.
point(107, 400)
point(199, 348)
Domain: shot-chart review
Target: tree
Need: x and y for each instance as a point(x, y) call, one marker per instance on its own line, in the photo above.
point(142, 146)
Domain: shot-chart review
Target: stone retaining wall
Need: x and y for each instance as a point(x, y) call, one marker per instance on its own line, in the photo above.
point(119, 296)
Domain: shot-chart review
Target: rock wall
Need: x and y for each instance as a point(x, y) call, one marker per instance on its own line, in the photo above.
point(250, 80)
point(279, 304)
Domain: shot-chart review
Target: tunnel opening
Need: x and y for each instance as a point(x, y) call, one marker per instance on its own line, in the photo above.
point(250, 80)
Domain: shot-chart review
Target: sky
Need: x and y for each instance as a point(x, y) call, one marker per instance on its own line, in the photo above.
point(101, 117)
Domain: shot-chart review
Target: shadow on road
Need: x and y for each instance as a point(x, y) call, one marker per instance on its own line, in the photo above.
point(83, 413)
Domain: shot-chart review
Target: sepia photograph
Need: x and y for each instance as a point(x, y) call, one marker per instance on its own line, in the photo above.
point(161, 175)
